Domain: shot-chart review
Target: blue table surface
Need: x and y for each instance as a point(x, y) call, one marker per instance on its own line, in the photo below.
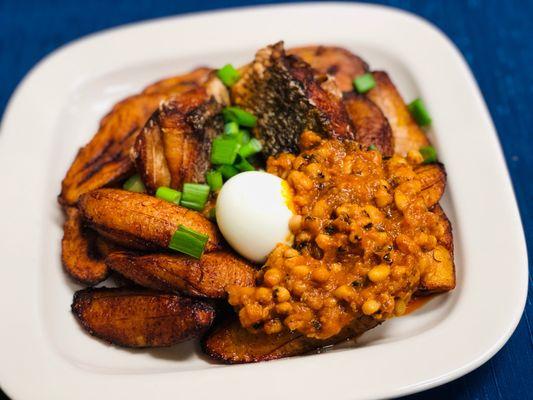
point(496, 39)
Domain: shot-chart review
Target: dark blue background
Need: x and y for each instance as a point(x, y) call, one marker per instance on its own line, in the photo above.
point(496, 37)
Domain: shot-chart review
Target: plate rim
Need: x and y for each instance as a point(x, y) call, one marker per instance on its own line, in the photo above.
point(12, 385)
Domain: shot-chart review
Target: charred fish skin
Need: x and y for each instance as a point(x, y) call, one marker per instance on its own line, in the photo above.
point(282, 91)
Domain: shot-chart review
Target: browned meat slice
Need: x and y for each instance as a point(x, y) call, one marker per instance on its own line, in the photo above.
point(207, 277)
point(175, 145)
point(371, 126)
point(232, 344)
point(105, 159)
point(140, 221)
point(141, 318)
point(406, 133)
point(287, 99)
point(79, 254)
point(338, 62)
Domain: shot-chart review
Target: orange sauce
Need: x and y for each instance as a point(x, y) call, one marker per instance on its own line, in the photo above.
point(417, 303)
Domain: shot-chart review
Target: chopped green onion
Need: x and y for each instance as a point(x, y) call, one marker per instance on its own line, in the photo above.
point(214, 180)
point(364, 83)
point(419, 112)
point(224, 150)
point(243, 165)
point(188, 241)
point(134, 184)
point(168, 194)
point(252, 147)
point(228, 75)
point(228, 171)
point(194, 196)
point(429, 153)
point(245, 136)
point(236, 114)
point(231, 128)
point(372, 147)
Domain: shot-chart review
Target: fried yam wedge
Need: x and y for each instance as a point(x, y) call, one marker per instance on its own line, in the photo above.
point(232, 344)
point(283, 93)
point(142, 222)
point(141, 318)
point(337, 62)
point(175, 145)
point(207, 277)
point(406, 133)
point(80, 256)
point(105, 159)
point(371, 126)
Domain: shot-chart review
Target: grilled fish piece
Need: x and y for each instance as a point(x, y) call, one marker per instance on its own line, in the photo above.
point(175, 144)
point(142, 222)
point(140, 317)
point(105, 159)
point(405, 131)
point(282, 92)
point(337, 62)
point(230, 343)
point(80, 256)
point(207, 277)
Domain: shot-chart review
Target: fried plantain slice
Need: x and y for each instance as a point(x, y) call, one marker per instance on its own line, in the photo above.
point(284, 94)
point(207, 277)
point(105, 159)
point(79, 255)
point(175, 145)
point(406, 133)
point(338, 62)
point(433, 179)
point(230, 343)
point(438, 275)
point(371, 126)
point(180, 83)
point(140, 317)
point(139, 221)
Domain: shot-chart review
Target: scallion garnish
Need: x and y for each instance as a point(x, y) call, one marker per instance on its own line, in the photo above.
point(228, 75)
point(228, 171)
point(372, 147)
point(212, 214)
point(134, 184)
point(238, 115)
point(224, 150)
point(231, 128)
point(214, 180)
point(168, 194)
point(244, 136)
point(243, 165)
point(419, 112)
point(194, 196)
point(252, 147)
point(188, 241)
point(429, 153)
point(364, 83)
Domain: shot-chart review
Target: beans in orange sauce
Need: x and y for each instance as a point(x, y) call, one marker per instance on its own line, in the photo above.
point(361, 228)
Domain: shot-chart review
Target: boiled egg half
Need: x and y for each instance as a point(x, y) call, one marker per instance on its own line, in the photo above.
point(253, 211)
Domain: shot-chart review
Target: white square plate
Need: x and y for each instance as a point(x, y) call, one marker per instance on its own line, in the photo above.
point(45, 355)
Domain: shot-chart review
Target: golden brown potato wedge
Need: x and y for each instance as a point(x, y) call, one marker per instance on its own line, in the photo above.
point(79, 254)
point(140, 317)
point(407, 135)
point(175, 145)
point(438, 276)
point(207, 277)
point(105, 159)
point(232, 344)
point(139, 221)
point(340, 63)
point(371, 126)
